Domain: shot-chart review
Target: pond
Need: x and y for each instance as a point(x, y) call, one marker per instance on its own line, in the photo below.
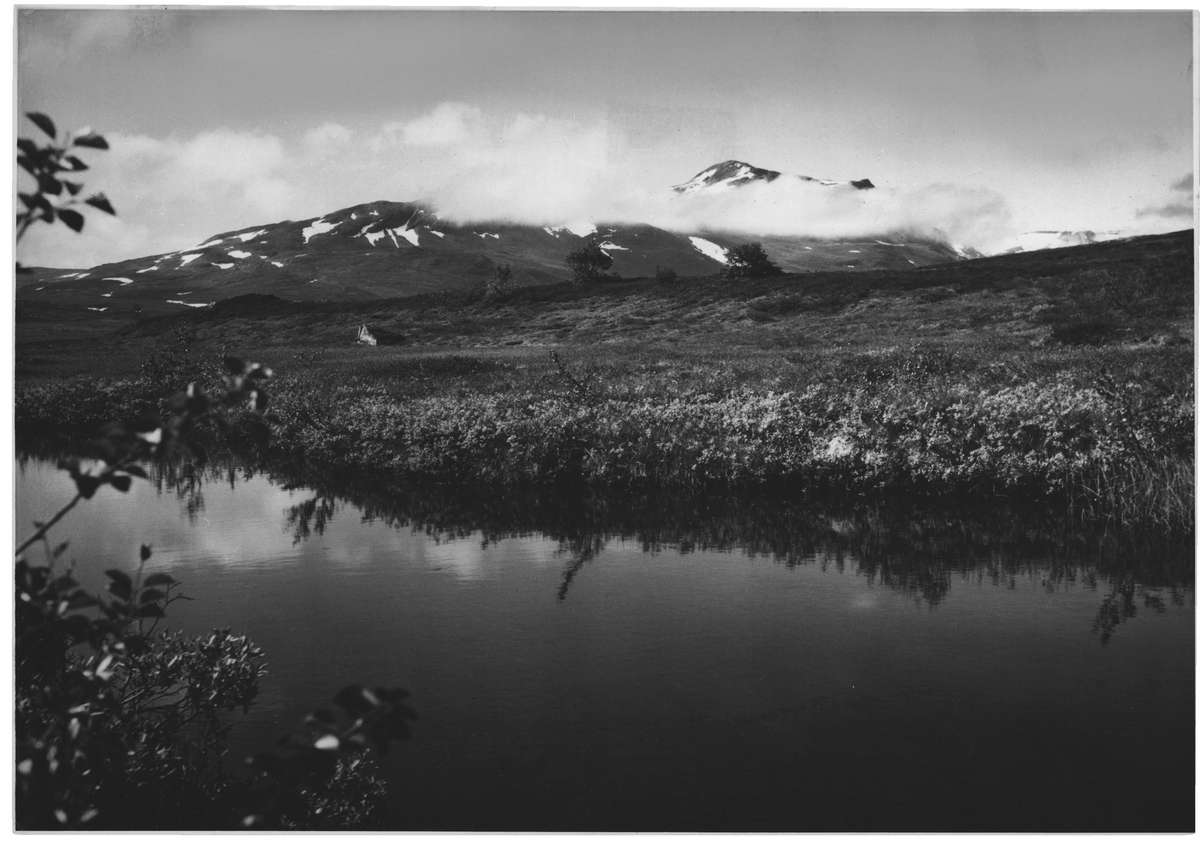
point(704, 665)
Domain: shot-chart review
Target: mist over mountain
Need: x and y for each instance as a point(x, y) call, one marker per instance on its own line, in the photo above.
point(744, 200)
point(386, 249)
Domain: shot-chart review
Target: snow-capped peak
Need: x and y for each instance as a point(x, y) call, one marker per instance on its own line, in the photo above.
point(726, 175)
point(731, 174)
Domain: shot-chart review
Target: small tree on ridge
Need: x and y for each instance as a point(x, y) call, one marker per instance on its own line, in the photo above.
point(588, 263)
point(749, 260)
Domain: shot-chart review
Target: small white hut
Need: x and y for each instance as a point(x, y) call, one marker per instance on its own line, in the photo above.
point(365, 337)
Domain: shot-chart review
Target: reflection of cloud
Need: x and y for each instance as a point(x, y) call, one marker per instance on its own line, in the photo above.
point(466, 558)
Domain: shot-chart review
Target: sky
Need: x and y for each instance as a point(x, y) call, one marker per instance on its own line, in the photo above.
point(978, 125)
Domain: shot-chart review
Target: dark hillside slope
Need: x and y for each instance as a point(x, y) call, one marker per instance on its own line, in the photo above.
point(1110, 294)
point(390, 249)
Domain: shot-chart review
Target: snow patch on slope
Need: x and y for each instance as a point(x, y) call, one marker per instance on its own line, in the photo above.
point(186, 259)
point(122, 280)
point(318, 227)
point(710, 249)
point(237, 253)
point(581, 229)
point(407, 233)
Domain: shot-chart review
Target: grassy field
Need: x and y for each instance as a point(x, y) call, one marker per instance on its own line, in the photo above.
point(1055, 374)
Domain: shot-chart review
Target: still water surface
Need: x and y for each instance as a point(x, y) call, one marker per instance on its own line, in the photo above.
point(722, 667)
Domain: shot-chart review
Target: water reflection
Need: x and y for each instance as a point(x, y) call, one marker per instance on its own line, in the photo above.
point(919, 550)
point(569, 681)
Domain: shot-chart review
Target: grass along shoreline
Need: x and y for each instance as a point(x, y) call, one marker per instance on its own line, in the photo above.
point(1120, 451)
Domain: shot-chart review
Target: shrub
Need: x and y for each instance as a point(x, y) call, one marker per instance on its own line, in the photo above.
point(55, 197)
point(749, 260)
point(665, 274)
point(589, 263)
point(501, 283)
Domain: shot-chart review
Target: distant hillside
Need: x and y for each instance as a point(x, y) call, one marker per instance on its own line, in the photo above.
point(388, 249)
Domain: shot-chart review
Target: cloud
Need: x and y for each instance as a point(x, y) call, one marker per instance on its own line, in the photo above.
point(1178, 206)
point(1171, 210)
point(173, 193)
point(449, 123)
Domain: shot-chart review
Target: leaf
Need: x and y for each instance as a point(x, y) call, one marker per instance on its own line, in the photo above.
point(81, 601)
point(159, 579)
point(100, 202)
point(121, 482)
point(87, 485)
point(73, 219)
point(58, 551)
point(234, 397)
point(327, 742)
point(28, 147)
point(121, 584)
point(44, 123)
point(73, 187)
point(235, 365)
point(260, 401)
point(78, 626)
point(49, 184)
point(91, 140)
point(76, 165)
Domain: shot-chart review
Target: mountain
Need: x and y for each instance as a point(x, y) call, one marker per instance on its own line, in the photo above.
point(731, 174)
point(388, 249)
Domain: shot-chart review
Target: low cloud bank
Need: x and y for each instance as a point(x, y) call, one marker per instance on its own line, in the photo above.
point(173, 193)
